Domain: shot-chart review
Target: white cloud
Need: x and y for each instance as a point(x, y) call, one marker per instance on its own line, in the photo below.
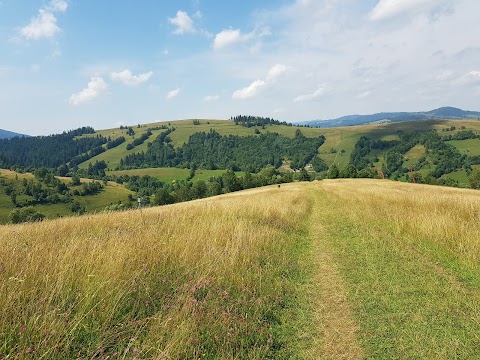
point(253, 89)
point(249, 91)
point(312, 96)
point(229, 37)
point(183, 22)
point(276, 71)
point(386, 9)
point(211, 98)
point(127, 78)
point(44, 25)
point(95, 88)
point(173, 93)
point(58, 5)
point(470, 78)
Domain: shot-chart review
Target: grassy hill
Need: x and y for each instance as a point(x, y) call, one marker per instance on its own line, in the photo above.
point(391, 271)
point(337, 148)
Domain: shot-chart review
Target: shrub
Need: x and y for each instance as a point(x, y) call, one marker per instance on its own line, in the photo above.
point(474, 179)
point(23, 215)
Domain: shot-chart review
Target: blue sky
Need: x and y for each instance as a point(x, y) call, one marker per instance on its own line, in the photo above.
point(71, 63)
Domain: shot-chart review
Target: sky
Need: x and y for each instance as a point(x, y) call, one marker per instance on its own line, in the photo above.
point(71, 63)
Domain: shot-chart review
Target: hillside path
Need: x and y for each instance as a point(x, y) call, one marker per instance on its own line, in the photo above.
point(337, 328)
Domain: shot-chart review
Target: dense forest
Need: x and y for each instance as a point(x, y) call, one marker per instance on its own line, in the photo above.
point(249, 121)
point(48, 151)
point(213, 151)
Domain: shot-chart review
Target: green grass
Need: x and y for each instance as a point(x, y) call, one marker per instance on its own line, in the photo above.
point(207, 174)
point(163, 174)
point(112, 156)
point(185, 128)
point(469, 147)
point(460, 175)
point(415, 153)
point(170, 174)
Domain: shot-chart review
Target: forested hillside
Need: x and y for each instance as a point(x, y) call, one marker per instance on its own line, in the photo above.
point(48, 151)
point(213, 151)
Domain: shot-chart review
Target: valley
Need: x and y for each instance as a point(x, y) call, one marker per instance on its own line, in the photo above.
point(167, 158)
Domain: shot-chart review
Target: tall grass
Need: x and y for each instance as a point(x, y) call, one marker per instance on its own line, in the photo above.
point(442, 216)
point(213, 278)
point(410, 255)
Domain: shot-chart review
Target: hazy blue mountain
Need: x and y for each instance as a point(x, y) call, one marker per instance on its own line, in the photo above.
point(4, 134)
point(441, 113)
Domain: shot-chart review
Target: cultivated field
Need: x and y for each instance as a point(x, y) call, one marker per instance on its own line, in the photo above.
point(331, 269)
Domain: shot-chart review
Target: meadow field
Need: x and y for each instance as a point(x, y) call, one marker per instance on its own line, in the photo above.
point(330, 269)
point(169, 174)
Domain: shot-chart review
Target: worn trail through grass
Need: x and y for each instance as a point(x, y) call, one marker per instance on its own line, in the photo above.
point(336, 326)
point(397, 271)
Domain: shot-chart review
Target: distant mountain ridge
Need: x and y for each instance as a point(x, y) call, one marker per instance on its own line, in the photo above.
point(4, 134)
point(447, 112)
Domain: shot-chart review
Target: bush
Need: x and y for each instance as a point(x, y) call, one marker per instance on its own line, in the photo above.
point(333, 172)
point(23, 215)
point(474, 179)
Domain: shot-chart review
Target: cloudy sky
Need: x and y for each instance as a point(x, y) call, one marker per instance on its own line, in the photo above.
point(71, 63)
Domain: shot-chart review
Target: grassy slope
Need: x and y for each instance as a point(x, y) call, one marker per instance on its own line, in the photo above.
point(392, 271)
point(111, 193)
point(343, 138)
point(164, 174)
point(112, 156)
point(213, 279)
point(470, 146)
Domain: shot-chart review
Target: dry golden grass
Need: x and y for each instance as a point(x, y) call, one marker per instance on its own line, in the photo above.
point(443, 215)
point(170, 282)
point(388, 269)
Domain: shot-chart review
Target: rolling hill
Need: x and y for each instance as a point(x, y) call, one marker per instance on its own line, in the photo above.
point(337, 149)
point(350, 120)
point(4, 134)
point(331, 269)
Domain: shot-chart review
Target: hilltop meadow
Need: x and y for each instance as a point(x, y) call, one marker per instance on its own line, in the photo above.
point(326, 269)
